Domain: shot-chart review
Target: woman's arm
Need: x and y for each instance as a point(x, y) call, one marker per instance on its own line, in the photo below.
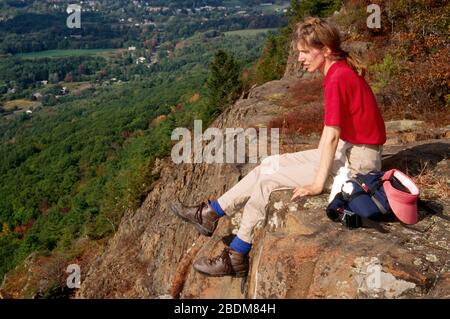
point(327, 147)
point(322, 138)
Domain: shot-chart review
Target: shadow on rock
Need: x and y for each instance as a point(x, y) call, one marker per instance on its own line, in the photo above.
point(414, 160)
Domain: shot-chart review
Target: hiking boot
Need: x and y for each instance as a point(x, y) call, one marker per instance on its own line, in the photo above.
point(228, 263)
point(203, 217)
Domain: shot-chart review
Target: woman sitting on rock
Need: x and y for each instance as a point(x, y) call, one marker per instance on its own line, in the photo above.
point(352, 139)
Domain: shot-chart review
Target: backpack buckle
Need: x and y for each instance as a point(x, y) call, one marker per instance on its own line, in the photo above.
point(349, 219)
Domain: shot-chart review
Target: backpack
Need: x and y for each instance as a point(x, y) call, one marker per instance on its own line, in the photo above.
point(375, 196)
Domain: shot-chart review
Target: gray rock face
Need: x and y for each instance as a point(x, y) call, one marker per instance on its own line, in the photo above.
point(403, 125)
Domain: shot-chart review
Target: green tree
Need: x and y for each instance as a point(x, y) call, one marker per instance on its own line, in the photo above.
point(272, 63)
point(299, 9)
point(224, 84)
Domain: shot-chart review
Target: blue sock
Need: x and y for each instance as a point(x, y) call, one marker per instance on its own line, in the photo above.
point(240, 246)
point(216, 206)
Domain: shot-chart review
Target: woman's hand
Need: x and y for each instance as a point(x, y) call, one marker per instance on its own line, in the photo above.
point(310, 190)
point(327, 148)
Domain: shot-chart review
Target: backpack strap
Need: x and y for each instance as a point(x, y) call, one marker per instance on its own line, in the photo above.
point(371, 192)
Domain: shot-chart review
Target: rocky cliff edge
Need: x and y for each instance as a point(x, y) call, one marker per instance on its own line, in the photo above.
point(298, 251)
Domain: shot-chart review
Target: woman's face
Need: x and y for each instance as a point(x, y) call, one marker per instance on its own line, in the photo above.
point(312, 59)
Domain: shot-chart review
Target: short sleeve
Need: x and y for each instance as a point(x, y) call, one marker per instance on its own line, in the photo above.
point(333, 103)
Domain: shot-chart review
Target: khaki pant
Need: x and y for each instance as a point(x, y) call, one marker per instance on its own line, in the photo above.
point(288, 171)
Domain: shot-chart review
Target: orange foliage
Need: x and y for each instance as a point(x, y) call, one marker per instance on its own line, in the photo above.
point(19, 229)
point(22, 229)
point(194, 98)
point(306, 91)
point(420, 90)
point(177, 108)
point(307, 120)
point(159, 119)
point(305, 103)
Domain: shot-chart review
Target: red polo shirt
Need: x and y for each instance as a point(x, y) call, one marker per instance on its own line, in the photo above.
point(350, 104)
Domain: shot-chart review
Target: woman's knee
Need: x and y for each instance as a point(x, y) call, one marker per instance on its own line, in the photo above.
point(269, 159)
point(270, 165)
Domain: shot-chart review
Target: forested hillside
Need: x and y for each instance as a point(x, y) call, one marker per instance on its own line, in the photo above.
point(28, 26)
point(81, 129)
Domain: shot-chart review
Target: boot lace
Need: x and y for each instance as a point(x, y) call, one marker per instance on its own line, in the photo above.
point(198, 213)
point(225, 258)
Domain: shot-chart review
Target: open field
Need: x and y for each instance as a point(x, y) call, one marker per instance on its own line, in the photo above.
point(274, 8)
point(71, 86)
point(20, 104)
point(67, 53)
point(248, 32)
